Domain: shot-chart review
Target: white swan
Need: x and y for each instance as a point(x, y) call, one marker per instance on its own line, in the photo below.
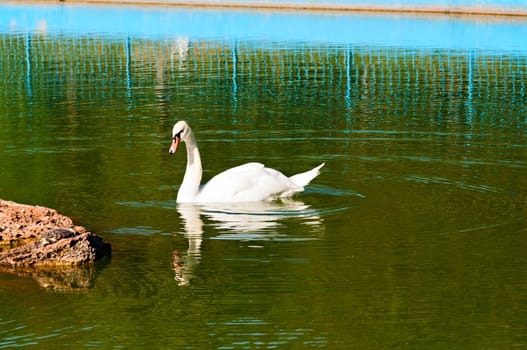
point(249, 182)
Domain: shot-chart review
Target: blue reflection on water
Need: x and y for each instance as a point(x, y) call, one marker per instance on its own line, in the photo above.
point(200, 24)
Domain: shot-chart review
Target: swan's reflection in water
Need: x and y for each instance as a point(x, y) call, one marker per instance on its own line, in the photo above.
point(258, 221)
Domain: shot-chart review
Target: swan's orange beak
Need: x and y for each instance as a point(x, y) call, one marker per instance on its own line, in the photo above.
point(175, 144)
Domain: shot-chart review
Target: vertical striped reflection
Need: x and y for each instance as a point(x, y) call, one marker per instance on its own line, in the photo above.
point(346, 78)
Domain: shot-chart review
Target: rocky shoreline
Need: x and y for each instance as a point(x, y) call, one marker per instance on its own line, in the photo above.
point(38, 236)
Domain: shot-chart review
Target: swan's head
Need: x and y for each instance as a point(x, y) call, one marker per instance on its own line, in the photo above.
point(180, 132)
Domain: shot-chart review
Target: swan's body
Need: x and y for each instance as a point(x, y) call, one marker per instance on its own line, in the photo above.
point(249, 182)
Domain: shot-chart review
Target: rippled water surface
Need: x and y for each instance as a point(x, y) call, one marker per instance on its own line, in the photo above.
point(413, 236)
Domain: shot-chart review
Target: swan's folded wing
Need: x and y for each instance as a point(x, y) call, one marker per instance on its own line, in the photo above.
point(247, 182)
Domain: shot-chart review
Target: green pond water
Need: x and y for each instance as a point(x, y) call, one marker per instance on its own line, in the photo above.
point(413, 236)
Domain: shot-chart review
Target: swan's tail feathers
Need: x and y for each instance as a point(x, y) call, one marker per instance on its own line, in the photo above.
point(303, 179)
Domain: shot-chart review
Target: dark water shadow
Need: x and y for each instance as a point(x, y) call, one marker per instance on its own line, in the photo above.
point(61, 279)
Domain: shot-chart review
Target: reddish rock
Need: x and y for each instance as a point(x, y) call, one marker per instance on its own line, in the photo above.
point(34, 236)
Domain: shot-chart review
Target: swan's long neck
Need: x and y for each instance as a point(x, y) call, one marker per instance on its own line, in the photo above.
point(189, 189)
